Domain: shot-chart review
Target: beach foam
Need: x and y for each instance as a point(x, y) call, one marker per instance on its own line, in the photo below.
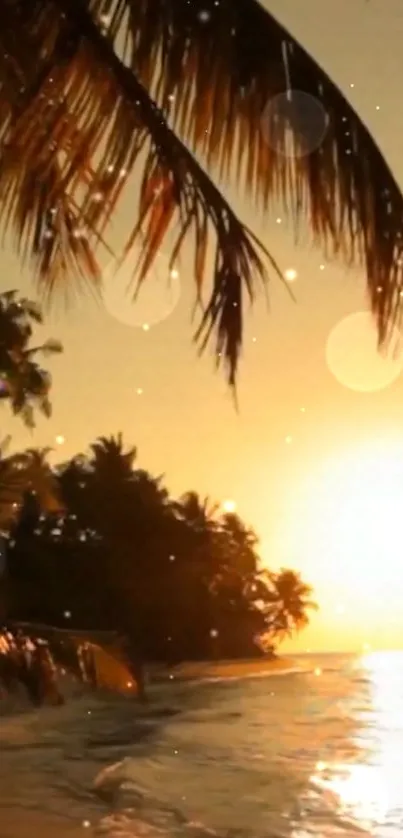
point(228, 670)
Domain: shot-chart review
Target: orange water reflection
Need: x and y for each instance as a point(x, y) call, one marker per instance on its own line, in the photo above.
point(369, 793)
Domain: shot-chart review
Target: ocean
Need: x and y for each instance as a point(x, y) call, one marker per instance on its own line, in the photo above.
point(314, 753)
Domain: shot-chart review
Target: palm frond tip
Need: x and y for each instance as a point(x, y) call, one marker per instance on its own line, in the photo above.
point(76, 114)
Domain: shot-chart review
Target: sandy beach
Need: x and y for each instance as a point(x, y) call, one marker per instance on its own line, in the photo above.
point(30, 823)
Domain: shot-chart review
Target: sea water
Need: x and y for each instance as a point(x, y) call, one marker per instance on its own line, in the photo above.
point(314, 753)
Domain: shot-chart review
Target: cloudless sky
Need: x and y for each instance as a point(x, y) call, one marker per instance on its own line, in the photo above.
point(304, 453)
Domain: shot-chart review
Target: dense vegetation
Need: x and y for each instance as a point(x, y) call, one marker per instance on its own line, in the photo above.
point(99, 544)
point(180, 578)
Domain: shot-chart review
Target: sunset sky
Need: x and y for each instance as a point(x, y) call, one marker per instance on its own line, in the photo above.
point(315, 467)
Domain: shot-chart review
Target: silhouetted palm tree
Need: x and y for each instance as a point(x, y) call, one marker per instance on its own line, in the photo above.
point(287, 604)
point(108, 456)
point(23, 383)
point(239, 545)
point(175, 577)
point(26, 472)
point(196, 511)
point(92, 91)
point(201, 525)
point(115, 482)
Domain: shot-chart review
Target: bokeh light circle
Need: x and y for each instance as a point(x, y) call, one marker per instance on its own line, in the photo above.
point(155, 301)
point(353, 356)
point(294, 123)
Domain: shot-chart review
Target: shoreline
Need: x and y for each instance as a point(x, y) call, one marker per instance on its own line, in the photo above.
point(228, 669)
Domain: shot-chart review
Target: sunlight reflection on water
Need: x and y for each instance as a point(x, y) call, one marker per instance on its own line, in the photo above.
point(370, 792)
point(294, 756)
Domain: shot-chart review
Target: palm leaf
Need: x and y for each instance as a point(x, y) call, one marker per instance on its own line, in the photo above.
point(344, 189)
point(50, 347)
point(23, 383)
point(85, 94)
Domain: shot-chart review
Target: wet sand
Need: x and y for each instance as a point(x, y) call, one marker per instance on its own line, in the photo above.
point(27, 824)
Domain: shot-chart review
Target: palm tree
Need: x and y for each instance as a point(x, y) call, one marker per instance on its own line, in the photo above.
point(198, 536)
point(94, 91)
point(24, 473)
point(24, 384)
point(110, 461)
point(133, 494)
point(239, 545)
point(22, 476)
point(195, 570)
point(196, 511)
point(287, 603)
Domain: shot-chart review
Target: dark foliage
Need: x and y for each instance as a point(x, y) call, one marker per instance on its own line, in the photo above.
point(102, 96)
point(176, 577)
point(24, 384)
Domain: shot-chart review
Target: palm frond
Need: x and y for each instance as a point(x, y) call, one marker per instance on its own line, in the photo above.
point(50, 347)
point(344, 189)
point(70, 131)
point(23, 383)
point(79, 111)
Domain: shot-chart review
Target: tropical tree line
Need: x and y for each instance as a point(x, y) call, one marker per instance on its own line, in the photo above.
point(97, 543)
point(180, 578)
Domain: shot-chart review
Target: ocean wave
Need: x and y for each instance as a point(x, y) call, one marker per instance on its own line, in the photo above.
point(248, 676)
point(140, 814)
point(235, 759)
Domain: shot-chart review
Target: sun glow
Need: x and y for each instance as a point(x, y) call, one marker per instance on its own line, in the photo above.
point(346, 534)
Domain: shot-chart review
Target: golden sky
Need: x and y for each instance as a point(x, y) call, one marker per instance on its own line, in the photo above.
point(308, 461)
